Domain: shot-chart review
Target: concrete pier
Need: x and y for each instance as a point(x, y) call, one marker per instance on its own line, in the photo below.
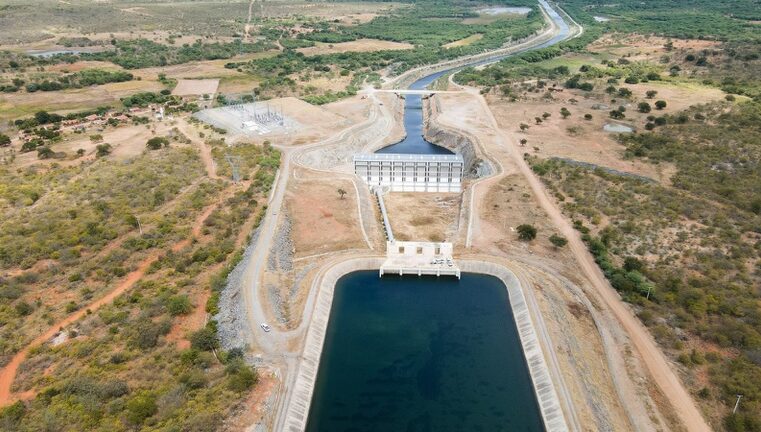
point(419, 258)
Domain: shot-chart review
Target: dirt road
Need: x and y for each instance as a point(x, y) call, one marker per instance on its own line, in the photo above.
point(8, 373)
point(656, 363)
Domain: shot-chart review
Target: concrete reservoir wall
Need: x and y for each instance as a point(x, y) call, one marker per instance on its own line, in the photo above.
point(411, 172)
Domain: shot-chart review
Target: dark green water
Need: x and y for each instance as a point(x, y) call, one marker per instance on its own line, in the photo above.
point(422, 354)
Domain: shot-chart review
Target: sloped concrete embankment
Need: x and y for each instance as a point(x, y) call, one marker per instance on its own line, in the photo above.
point(300, 396)
point(458, 141)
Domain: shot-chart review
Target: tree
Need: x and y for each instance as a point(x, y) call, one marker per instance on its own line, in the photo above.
point(45, 152)
point(156, 143)
point(204, 339)
point(102, 150)
point(660, 104)
point(651, 94)
point(341, 192)
point(141, 407)
point(5, 140)
point(526, 232)
point(524, 126)
point(587, 116)
point(538, 120)
point(240, 377)
point(523, 142)
point(564, 112)
point(546, 115)
point(558, 241)
point(644, 107)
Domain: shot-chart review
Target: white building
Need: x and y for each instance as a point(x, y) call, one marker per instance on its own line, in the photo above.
point(411, 172)
point(419, 258)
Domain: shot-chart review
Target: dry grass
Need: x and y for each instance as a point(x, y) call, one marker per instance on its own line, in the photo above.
point(465, 41)
point(360, 45)
point(17, 105)
point(585, 140)
point(322, 221)
point(196, 87)
point(423, 216)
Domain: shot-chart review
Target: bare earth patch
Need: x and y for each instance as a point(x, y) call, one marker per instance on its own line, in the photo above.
point(196, 87)
point(585, 140)
point(360, 45)
point(423, 216)
point(465, 41)
point(322, 221)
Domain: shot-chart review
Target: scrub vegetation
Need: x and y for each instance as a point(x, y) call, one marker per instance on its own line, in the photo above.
point(70, 235)
point(685, 252)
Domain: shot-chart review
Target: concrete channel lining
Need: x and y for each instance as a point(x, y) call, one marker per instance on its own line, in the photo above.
point(297, 408)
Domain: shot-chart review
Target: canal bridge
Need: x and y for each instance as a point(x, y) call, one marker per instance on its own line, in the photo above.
point(423, 92)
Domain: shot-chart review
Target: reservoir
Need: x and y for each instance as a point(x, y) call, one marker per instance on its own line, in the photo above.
point(422, 354)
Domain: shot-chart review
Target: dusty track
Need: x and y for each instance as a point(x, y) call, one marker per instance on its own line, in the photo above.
point(656, 363)
point(8, 373)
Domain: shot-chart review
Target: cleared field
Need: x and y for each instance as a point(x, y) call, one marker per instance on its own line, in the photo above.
point(360, 45)
point(199, 69)
point(423, 216)
point(17, 105)
point(322, 220)
point(464, 42)
point(196, 87)
point(363, 11)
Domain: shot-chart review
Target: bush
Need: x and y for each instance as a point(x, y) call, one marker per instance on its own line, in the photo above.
point(204, 339)
point(179, 305)
point(526, 232)
point(240, 377)
point(558, 241)
point(156, 143)
point(5, 140)
point(644, 107)
point(660, 104)
point(141, 407)
point(23, 308)
point(102, 150)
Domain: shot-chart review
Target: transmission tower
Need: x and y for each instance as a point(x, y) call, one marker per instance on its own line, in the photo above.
point(234, 162)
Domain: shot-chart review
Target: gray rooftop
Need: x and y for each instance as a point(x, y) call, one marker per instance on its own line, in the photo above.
point(383, 157)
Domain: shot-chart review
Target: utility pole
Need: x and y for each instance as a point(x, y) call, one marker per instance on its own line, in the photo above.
point(648, 292)
point(737, 404)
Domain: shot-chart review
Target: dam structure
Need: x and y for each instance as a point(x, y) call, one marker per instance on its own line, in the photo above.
point(413, 351)
point(411, 172)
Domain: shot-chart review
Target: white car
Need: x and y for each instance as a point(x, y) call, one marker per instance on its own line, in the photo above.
point(265, 327)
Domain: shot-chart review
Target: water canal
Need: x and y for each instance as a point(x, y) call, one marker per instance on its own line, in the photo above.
point(422, 354)
point(413, 142)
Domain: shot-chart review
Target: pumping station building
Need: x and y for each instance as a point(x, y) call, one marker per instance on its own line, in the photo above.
point(411, 172)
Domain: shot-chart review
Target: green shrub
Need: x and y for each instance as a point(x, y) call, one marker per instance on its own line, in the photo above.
point(526, 232)
point(179, 305)
point(140, 407)
point(204, 339)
